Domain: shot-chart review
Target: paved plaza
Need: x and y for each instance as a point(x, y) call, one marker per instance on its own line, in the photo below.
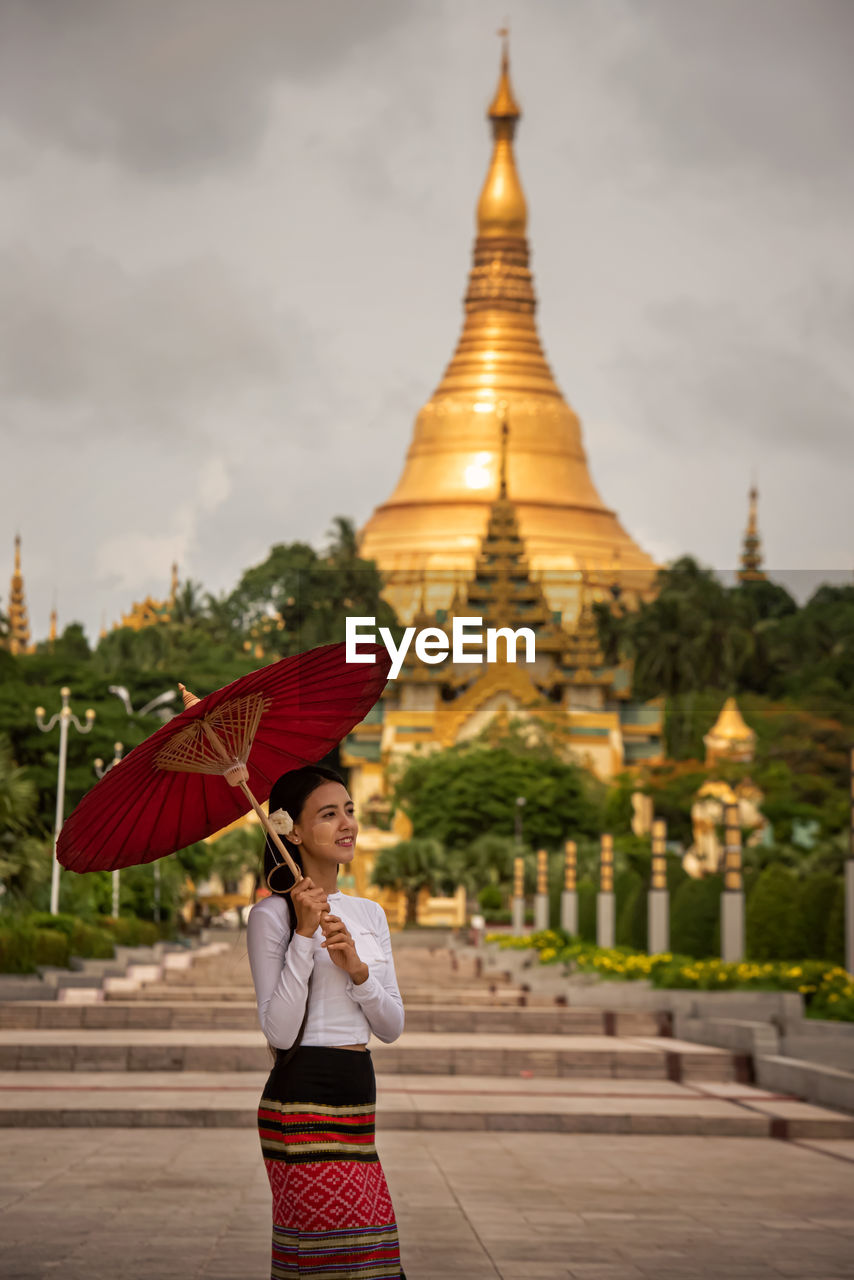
point(194, 1204)
point(521, 1139)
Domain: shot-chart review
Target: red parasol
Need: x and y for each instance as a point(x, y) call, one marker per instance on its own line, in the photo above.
point(169, 791)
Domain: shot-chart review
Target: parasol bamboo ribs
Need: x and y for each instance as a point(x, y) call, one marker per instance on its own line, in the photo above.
point(235, 772)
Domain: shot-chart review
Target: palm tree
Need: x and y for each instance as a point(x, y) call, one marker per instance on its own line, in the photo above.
point(23, 861)
point(410, 867)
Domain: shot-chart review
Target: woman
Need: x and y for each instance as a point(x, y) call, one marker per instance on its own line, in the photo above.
point(322, 966)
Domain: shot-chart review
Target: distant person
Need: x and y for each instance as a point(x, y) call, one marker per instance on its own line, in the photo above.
point(324, 980)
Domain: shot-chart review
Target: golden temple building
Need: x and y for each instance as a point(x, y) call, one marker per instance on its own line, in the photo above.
point(148, 612)
point(17, 639)
point(428, 532)
point(582, 702)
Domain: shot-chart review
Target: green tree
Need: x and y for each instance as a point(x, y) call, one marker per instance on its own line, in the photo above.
point(462, 793)
point(24, 857)
point(409, 867)
point(300, 598)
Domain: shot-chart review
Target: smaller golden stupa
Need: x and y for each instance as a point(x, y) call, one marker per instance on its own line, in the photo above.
point(729, 738)
point(751, 556)
point(18, 638)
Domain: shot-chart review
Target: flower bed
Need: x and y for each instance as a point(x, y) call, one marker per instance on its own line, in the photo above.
point(828, 990)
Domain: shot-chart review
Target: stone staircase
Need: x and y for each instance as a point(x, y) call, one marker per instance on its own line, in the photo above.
point(478, 1053)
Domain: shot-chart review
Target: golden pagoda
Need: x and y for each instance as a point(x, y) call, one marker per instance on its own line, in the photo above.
point(730, 738)
point(751, 556)
point(433, 522)
point(18, 638)
point(584, 703)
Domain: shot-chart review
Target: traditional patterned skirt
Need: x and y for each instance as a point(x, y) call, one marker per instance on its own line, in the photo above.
point(332, 1214)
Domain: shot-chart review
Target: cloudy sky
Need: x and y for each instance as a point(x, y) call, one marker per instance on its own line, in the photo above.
point(234, 240)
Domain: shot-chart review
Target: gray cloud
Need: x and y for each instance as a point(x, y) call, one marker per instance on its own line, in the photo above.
point(713, 370)
point(234, 240)
point(169, 86)
point(79, 333)
point(766, 84)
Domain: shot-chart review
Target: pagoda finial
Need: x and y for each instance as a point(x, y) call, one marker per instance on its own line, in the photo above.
point(751, 556)
point(54, 629)
point(173, 589)
point(505, 436)
point(502, 210)
point(504, 105)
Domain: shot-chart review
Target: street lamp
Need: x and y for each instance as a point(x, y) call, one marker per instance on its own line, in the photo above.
point(63, 716)
point(101, 769)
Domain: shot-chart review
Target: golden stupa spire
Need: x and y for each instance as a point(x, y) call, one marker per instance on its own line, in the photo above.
point(438, 513)
point(751, 556)
point(502, 210)
point(19, 624)
point(54, 626)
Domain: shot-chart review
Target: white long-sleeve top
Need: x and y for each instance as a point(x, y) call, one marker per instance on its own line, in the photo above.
point(340, 1011)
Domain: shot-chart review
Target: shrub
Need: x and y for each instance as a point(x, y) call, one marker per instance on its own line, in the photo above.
point(587, 910)
point(631, 912)
point(490, 898)
point(17, 949)
point(52, 947)
point(816, 900)
point(128, 931)
point(835, 939)
point(773, 921)
point(64, 921)
point(695, 917)
point(91, 943)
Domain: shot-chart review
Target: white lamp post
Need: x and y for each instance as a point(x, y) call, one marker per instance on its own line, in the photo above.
point(63, 717)
point(100, 770)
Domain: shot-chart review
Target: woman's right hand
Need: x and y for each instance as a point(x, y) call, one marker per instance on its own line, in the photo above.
point(311, 905)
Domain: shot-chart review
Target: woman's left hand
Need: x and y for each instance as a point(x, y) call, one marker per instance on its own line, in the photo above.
point(342, 948)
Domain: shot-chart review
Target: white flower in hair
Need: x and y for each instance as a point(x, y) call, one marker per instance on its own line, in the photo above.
point(282, 822)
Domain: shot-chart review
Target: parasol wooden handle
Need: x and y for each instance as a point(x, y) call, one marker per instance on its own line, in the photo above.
point(274, 835)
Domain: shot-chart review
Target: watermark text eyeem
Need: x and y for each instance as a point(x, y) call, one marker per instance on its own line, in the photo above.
point(433, 645)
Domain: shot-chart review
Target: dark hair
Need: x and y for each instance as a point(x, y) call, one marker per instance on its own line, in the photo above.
point(290, 793)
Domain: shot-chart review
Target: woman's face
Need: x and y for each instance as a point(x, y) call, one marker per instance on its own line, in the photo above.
point(327, 826)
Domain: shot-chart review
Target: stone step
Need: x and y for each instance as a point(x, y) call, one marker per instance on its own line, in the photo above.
point(243, 1016)
point(462, 1103)
point(421, 1052)
point(156, 993)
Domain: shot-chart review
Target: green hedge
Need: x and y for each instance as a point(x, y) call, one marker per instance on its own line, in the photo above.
point(695, 917)
point(774, 927)
point(130, 932)
point(40, 938)
point(23, 948)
